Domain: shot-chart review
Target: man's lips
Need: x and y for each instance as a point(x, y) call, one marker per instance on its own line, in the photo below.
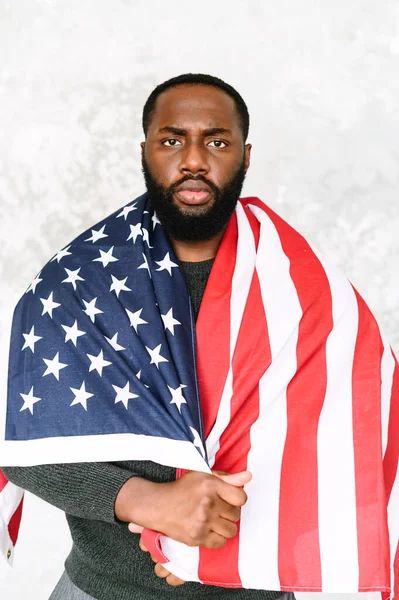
point(193, 197)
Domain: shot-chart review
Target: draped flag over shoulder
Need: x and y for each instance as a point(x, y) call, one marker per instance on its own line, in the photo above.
point(286, 373)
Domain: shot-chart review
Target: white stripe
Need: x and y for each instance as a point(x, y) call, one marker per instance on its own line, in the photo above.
point(387, 371)
point(183, 560)
point(241, 283)
point(98, 448)
point(335, 446)
point(107, 448)
point(393, 523)
point(102, 448)
point(10, 497)
point(258, 551)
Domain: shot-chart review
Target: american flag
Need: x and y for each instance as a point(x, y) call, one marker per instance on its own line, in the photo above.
point(297, 382)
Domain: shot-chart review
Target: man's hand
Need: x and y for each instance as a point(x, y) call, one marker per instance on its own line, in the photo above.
point(198, 509)
point(160, 570)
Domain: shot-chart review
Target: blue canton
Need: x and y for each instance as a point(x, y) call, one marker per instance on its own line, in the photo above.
point(103, 340)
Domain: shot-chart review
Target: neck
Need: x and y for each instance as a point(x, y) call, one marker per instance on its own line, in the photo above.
point(196, 251)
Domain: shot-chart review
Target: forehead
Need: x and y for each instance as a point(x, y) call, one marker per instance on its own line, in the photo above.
point(194, 106)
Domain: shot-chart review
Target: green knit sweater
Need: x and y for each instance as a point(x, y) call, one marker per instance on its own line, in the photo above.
point(105, 560)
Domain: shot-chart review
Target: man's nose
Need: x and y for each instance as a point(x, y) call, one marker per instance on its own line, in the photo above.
point(194, 158)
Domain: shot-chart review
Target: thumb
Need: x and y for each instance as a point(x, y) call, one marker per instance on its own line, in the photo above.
point(133, 528)
point(236, 479)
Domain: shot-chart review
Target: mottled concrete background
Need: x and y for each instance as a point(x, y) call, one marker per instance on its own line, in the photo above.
point(321, 79)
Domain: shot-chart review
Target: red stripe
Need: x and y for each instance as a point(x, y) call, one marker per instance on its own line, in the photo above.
point(391, 457)
point(15, 521)
point(213, 328)
point(3, 480)
point(372, 530)
point(392, 451)
point(299, 547)
point(249, 363)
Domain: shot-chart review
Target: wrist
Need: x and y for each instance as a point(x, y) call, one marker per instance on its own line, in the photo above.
point(137, 502)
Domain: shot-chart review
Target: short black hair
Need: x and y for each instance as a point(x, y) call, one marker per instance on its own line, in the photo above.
point(196, 79)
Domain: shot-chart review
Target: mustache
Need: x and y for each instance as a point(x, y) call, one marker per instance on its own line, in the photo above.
point(213, 187)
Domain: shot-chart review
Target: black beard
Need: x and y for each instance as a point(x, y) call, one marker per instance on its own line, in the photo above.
point(198, 223)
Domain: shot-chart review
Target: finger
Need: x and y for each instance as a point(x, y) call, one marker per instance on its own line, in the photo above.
point(141, 544)
point(174, 581)
point(231, 493)
point(133, 528)
point(225, 528)
point(160, 571)
point(153, 558)
point(229, 512)
point(236, 479)
point(235, 496)
point(214, 540)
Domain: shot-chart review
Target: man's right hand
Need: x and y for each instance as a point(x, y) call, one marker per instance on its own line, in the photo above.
point(197, 509)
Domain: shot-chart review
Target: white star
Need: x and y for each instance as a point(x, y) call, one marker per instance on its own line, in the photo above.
point(156, 357)
point(177, 396)
point(166, 263)
point(98, 363)
point(54, 367)
point(146, 239)
point(135, 231)
point(126, 210)
point(118, 286)
point(49, 305)
point(72, 333)
point(73, 277)
point(169, 322)
point(81, 396)
point(114, 343)
point(31, 339)
point(123, 394)
point(135, 319)
point(60, 255)
point(32, 287)
point(145, 264)
point(97, 235)
point(155, 221)
point(197, 441)
point(29, 401)
point(106, 257)
point(91, 309)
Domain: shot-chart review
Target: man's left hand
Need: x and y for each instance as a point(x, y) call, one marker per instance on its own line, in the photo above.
point(160, 570)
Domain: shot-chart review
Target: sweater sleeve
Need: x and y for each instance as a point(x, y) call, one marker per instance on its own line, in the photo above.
point(86, 490)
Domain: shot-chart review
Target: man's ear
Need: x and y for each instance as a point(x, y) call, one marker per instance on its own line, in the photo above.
point(247, 156)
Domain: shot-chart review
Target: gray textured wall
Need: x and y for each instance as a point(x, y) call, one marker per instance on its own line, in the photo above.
point(321, 79)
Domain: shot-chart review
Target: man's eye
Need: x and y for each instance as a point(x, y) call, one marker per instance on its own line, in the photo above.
point(171, 140)
point(219, 142)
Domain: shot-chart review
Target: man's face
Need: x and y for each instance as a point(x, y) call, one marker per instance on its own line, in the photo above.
point(194, 141)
